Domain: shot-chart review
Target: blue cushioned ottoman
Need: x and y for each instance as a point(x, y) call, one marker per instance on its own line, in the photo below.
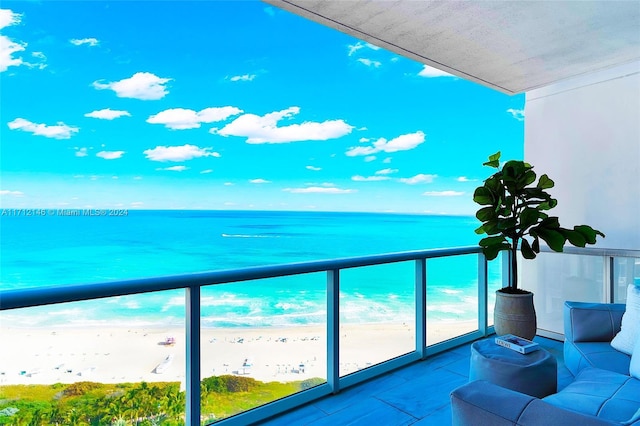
point(534, 373)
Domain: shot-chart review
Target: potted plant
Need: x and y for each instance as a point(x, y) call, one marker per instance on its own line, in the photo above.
point(514, 216)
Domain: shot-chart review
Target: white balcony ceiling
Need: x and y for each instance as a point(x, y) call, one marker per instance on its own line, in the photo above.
point(511, 46)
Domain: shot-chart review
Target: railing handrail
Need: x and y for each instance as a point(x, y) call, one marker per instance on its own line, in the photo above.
point(46, 295)
point(595, 251)
point(38, 296)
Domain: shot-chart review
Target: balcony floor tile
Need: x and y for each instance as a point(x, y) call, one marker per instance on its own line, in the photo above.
point(425, 394)
point(366, 412)
point(300, 416)
point(417, 394)
point(354, 394)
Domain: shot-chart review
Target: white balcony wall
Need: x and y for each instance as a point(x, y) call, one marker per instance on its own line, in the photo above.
point(585, 134)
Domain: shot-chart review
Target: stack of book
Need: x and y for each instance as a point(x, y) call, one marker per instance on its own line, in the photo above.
point(516, 343)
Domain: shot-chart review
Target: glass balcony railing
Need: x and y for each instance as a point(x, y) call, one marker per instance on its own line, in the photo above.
point(577, 274)
point(219, 347)
point(212, 349)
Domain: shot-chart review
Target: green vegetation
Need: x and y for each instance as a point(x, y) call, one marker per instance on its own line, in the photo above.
point(514, 215)
point(97, 404)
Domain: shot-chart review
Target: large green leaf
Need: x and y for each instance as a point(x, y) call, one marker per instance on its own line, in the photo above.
point(528, 217)
point(493, 183)
point(574, 237)
point(490, 241)
point(550, 222)
point(483, 196)
point(588, 233)
point(480, 230)
point(486, 213)
point(491, 246)
point(492, 252)
point(491, 227)
point(494, 160)
point(535, 246)
point(526, 250)
point(545, 183)
point(507, 223)
point(527, 178)
point(535, 194)
point(548, 205)
point(554, 239)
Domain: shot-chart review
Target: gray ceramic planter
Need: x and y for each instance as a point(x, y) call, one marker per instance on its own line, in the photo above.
point(515, 314)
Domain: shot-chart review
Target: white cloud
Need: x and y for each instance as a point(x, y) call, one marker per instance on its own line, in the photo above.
point(431, 72)
point(466, 179)
point(7, 46)
point(370, 158)
point(419, 178)
point(107, 114)
point(178, 153)
point(259, 181)
point(363, 140)
point(319, 190)
point(244, 77)
point(204, 172)
point(110, 155)
point(81, 152)
point(8, 18)
point(228, 184)
point(58, 131)
point(359, 178)
point(353, 48)
point(443, 193)
point(11, 193)
point(181, 119)
point(386, 171)
point(137, 204)
point(80, 41)
point(41, 57)
point(325, 184)
point(518, 114)
point(315, 169)
point(369, 62)
point(142, 85)
point(264, 129)
point(387, 160)
point(175, 168)
point(400, 143)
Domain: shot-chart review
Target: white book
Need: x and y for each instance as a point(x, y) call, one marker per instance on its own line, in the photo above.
point(516, 343)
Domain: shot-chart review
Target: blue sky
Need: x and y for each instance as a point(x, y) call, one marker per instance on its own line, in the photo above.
point(232, 105)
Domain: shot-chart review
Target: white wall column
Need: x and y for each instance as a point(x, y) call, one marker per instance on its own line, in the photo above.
point(585, 134)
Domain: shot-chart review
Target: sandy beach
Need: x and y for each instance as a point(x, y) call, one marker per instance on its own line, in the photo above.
point(117, 354)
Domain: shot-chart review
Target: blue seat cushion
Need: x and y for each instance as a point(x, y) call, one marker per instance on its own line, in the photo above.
point(600, 393)
point(578, 355)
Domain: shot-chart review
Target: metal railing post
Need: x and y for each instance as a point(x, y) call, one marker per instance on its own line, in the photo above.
point(421, 307)
point(193, 355)
point(333, 329)
point(611, 277)
point(483, 292)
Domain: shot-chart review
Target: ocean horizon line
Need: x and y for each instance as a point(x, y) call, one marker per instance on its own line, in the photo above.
point(5, 211)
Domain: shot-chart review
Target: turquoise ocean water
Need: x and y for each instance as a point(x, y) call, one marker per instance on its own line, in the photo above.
point(57, 250)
